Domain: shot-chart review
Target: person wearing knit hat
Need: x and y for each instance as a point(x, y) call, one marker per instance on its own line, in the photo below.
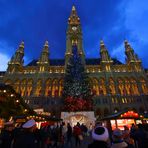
point(118, 141)
point(100, 136)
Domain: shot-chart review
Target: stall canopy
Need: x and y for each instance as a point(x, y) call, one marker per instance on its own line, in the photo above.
point(122, 118)
point(126, 114)
point(36, 117)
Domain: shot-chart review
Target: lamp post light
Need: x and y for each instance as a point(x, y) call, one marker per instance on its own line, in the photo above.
point(17, 101)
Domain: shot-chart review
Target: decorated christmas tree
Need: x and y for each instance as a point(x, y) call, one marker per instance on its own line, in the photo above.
point(77, 89)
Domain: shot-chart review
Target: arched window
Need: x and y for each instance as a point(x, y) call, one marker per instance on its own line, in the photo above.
point(60, 87)
point(95, 86)
point(127, 86)
point(48, 86)
point(134, 86)
point(102, 88)
point(55, 88)
point(143, 86)
point(23, 87)
point(38, 88)
point(121, 86)
point(112, 86)
point(29, 87)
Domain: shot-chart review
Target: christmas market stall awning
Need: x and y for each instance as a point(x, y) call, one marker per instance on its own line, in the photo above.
point(36, 117)
point(128, 114)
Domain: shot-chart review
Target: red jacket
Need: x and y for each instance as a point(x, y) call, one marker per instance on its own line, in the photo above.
point(77, 131)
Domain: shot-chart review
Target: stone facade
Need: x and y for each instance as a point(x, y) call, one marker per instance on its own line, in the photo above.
point(116, 86)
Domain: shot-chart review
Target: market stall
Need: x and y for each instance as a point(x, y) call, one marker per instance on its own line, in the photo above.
point(121, 119)
point(41, 120)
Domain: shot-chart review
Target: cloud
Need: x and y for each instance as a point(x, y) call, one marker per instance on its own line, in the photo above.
point(135, 19)
point(135, 14)
point(100, 19)
point(119, 53)
point(4, 57)
point(4, 61)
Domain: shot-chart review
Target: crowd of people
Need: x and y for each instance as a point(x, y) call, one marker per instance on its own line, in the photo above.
point(64, 136)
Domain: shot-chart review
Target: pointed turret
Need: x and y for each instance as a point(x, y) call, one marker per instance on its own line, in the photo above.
point(43, 61)
point(106, 61)
point(132, 58)
point(21, 46)
point(105, 57)
point(74, 36)
point(16, 62)
point(46, 47)
point(74, 19)
point(20, 53)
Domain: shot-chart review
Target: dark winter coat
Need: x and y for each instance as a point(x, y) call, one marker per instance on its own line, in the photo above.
point(6, 138)
point(98, 144)
point(77, 131)
point(69, 131)
point(27, 140)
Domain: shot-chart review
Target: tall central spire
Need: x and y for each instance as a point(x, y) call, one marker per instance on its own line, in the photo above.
point(74, 19)
point(74, 36)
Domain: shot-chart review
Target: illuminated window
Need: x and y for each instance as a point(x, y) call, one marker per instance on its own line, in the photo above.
point(112, 87)
point(23, 87)
point(55, 88)
point(102, 88)
point(60, 88)
point(112, 100)
point(95, 86)
point(134, 87)
point(121, 86)
point(38, 88)
point(48, 88)
point(127, 86)
point(116, 100)
point(143, 86)
point(123, 100)
point(107, 67)
point(29, 87)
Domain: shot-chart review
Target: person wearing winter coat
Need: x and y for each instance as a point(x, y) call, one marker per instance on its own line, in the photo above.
point(28, 138)
point(69, 134)
point(7, 135)
point(77, 132)
point(100, 136)
point(118, 141)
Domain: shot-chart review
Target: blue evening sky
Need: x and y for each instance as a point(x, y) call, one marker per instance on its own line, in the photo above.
point(35, 21)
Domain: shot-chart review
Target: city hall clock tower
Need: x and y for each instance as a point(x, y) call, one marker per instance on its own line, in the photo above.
point(74, 36)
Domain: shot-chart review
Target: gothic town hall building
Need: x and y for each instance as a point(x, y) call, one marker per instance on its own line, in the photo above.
point(116, 86)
